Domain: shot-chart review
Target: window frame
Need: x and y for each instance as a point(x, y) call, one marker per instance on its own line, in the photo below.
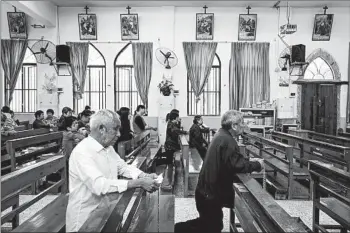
point(202, 95)
point(116, 83)
point(104, 93)
point(35, 67)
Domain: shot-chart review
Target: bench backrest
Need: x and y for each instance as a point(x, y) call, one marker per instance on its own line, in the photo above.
point(13, 183)
point(342, 151)
point(20, 128)
point(129, 148)
point(108, 218)
point(346, 135)
point(25, 123)
point(338, 140)
point(12, 145)
point(261, 141)
point(277, 217)
point(25, 133)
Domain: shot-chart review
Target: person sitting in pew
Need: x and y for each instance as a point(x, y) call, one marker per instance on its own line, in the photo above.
point(13, 118)
point(39, 121)
point(9, 121)
point(94, 168)
point(50, 118)
point(196, 136)
point(84, 120)
point(6, 129)
point(71, 136)
point(214, 189)
point(125, 130)
point(66, 112)
point(139, 123)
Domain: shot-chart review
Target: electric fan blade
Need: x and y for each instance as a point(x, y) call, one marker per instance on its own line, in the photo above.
point(48, 57)
point(47, 45)
point(171, 57)
point(165, 60)
point(37, 53)
point(162, 53)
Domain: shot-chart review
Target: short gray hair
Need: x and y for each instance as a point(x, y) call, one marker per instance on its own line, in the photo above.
point(231, 117)
point(104, 117)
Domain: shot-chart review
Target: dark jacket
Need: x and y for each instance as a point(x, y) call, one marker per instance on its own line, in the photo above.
point(61, 123)
point(37, 124)
point(139, 124)
point(222, 162)
point(196, 136)
point(172, 136)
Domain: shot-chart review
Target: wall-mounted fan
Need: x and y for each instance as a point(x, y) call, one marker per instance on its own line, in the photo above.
point(44, 51)
point(166, 57)
point(284, 59)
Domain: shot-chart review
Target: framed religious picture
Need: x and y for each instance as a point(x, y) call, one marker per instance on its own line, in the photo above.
point(247, 27)
point(204, 26)
point(17, 25)
point(87, 26)
point(322, 27)
point(129, 24)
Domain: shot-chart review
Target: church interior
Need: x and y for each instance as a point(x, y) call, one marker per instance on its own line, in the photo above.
point(172, 72)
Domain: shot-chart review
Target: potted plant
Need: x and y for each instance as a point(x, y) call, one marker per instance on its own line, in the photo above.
point(166, 87)
point(50, 84)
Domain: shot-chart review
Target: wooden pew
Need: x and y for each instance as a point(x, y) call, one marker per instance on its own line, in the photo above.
point(257, 211)
point(185, 150)
point(324, 151)
point(284, 166)
point(25, 133)
point(128, 149)
point(335, 206)
point(345, 135)
point(25, 123)
point(337, 140)
point(15, 144)
point(52, 218)
point(144, 215)
point(13, 183)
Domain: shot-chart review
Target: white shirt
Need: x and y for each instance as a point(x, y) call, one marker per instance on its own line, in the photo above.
point(93, 172)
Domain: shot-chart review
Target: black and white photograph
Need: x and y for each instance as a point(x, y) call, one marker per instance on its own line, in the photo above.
point(322, 27)
point(204, 26)
point(247, 27)
point(87, 26)
point(17, 25)
point(129, 24)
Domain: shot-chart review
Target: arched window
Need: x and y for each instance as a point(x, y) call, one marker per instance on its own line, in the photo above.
point(95, 83)
point(210, 99)
point(125, 90)
point(24, 97)
point(318, 69)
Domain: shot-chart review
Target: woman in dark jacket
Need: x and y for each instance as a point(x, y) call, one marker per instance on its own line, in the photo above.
point(196, 136)
point(125, 129)
point(171, 146)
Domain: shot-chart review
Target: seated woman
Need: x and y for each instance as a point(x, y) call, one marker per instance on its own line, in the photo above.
point(171, 146)
point(125, 130)
point(39, 121)
point(13, 118)
point(196, 136)
point(50, 118)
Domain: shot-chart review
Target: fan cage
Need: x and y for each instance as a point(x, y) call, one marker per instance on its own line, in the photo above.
point(297, 68)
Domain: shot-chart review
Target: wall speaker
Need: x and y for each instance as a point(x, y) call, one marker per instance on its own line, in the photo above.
point(298, 53)
point(62, 53)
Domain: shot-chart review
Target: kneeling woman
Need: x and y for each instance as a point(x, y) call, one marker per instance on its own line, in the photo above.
point(171, 146)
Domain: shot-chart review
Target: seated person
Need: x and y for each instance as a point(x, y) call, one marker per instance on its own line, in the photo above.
point(139, 123)
point(71, 136)
point(9, 122)
point(196, 136)
point(95, 168)
point(66, 112)
point(50, 118)
point(84, 119)
point(87, 107)
point(13, 118)
point(6, 129)
point(125, 130)
point(39, 121)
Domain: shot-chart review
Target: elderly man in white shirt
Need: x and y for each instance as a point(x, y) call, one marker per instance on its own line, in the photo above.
point(94, 167)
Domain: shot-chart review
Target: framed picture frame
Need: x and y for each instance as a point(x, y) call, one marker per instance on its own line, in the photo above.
point(129, 26)
point(204, 26)
point(247, 25)
point(87, 26)
point(17, 25)
point(322, 27)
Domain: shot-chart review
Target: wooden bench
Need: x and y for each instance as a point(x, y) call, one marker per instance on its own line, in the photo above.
point(335, 206)
point(52, 218)
point(337, 140)
point(25, 133)
point(185, 151)
point(324, 151)
point(345, 135)
point(20, 128)
point(148, 213)
point(25, 124)
point(15, 182)
point(128, 149)
point(257, 211)
point(284, 166)
point(54, 138)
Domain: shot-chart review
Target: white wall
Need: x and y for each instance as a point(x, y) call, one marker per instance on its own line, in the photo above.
point(170, 26)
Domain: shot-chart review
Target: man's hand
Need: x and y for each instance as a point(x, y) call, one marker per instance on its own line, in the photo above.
point(152, 175)
point(149, 184)
point(261, 161)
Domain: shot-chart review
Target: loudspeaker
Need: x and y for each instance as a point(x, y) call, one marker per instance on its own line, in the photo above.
point(62, 53)
point(298, 53)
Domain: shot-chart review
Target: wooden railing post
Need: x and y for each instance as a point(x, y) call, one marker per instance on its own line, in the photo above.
point(289, 154)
